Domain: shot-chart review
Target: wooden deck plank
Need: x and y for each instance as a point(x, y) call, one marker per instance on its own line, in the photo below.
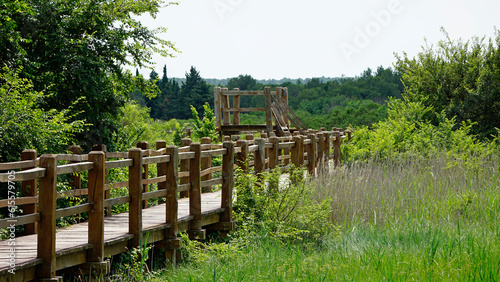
point(73, 239)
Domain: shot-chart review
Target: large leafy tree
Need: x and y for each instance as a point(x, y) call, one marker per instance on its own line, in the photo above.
point(75, 50)
point(460, 79)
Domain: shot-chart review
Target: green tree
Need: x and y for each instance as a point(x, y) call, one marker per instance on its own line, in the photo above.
point(194, 92)
point(243, 82)
point(25, 125)
point(76, 49)
point(460, 78)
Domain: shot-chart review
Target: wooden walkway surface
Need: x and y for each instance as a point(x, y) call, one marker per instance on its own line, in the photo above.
point(73, 239)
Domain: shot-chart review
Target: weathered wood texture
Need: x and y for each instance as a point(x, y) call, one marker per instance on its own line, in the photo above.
point(89, 243)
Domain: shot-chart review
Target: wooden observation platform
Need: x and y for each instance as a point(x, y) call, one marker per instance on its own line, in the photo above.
point(279, 115)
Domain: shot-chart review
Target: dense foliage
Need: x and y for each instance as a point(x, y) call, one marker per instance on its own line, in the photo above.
point(73, 52)
point(460, 78)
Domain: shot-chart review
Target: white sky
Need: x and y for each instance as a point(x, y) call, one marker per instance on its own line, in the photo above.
point(297, 39)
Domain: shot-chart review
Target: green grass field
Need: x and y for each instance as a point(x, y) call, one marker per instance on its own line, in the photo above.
point(434, 219)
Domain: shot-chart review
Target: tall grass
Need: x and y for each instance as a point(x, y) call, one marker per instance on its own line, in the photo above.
point(412, 219)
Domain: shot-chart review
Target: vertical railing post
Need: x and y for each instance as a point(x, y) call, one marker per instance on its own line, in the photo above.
point(297, 151)
point(107, 193)
point(227, 188)
point(75, 178)
point(185, 167)
point(266, 150)
point(336, 149)
point(195, 231)
point(242, 157)
point(135, 192)
point(320, 156)
point(326, 148)
point(269, 118)
point(144, 145)
point(236, 105)
point(46, 245)
point(206, 163)
point(286, 151)
point(311, 154)
point(226, 114)
point(96, 184)
point(260, 158)
point(274, 152)
point(218, 107)
point(171, 170)
point(29, 189)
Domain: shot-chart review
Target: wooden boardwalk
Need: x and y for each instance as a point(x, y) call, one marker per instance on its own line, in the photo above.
point(184, 181)
point(72, 245)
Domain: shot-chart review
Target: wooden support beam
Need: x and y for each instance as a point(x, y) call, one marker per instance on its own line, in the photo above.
point(225, 105)
point(144, 145)
point(227, 182)
point(46, 246)
point(172, 205)
point(75, 179)
point(218, 107)
point(135, 191)
point(107, 193)
point(260, 158)
point(195, 231)
point(269, 117)
point(311, 154)
point(242, 157)
point(205, 164)
point(320, 155)
point(336, 149)
point(97, 179)
point(236, 105)
point(29, 189)
point(185, 167)
point(274, 152)
point(326, 148)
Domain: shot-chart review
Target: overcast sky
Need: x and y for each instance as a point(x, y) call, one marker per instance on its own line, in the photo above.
point(297, 39)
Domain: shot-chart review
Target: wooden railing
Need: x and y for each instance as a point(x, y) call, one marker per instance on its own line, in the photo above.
point(184, 171)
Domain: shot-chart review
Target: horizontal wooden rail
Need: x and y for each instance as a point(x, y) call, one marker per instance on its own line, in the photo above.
point(19, 165)
point(20, 220)
point(119, 163)
point(24, 175)
point(74, 168)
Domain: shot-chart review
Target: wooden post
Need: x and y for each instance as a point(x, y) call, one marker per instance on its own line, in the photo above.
point(249, 137)
point(185, 167)
point(75, 178)
point(173, 243)
point(326, 148)
point(135, 192)
point(269, 118)
point(285, 101)
point(217, 107)
point(236, 105)
point(144, 145)
point(274, 152)
point(295, 156)
point(195, 232)
point(260, 158)
point(97, 178)
point(286, 151)
point(336, 149)
point(46, 245)
point(320, 156)
point(29, 188)
point(311, 154)
point(206, 163)
point(349, 135)
point(107, 193)
point(242, 157)
point(266, 150)
point(225, 103)
point(227, 182)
